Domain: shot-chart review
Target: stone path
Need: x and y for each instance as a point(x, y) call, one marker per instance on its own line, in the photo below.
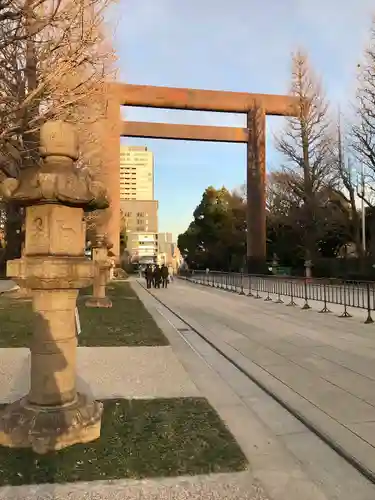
point(107, 372)
point(322, 366)
point(6, 285)
point(213, 487)
point(275, 467)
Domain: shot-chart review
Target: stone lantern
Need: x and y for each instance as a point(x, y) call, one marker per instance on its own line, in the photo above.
point(53, 267)
point(100, 256)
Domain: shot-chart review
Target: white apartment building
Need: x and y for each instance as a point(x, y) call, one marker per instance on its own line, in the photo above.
point(136, 173)
point(144, 248)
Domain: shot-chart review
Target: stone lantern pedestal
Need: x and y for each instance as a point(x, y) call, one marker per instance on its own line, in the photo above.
point(308, 269)
point(53, 415)
point(103, 265)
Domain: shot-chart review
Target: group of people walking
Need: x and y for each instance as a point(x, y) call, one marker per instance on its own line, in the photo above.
point(156, 276)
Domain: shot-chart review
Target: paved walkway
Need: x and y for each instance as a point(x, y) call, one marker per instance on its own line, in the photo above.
point(355, 297)
point(322, 366)
point(212, 487)
point(107, 372)
point(278, 470)
point(6, 285)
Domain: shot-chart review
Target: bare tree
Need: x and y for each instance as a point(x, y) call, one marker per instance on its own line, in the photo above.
point(306, 144)
point(363, 129)
point(55, 61)
point(348, 175)
point(58, 58)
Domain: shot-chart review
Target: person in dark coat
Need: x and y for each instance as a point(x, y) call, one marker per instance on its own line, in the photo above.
point(157, 276)
point(148, 275)
point(164, 275)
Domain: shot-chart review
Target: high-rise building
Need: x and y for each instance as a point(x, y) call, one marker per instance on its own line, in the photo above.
point(136, 173)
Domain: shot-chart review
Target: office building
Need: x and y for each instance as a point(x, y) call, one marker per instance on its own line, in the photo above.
point(136, 173)
point(141, 221)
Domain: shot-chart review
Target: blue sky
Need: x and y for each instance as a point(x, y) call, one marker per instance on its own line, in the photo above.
point(241, 45)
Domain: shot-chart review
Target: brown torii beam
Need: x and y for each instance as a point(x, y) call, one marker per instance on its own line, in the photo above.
point(256, 106)
point(184, 132)
point(147, 96)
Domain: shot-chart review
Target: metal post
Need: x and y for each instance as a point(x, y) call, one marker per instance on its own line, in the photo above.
point(279, 299)
point(306, 305)
point(268, 298)
point(250, 294)
point(345, 314)
point(325, 308)
point(369, 319)
point(257, 296)
point(291, 303)
point(242, 290)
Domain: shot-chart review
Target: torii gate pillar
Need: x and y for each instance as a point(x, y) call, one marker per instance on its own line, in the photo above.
point(256, 203)
point(110, 173)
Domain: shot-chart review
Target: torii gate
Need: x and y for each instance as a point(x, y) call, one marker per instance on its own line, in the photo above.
point(256, 106)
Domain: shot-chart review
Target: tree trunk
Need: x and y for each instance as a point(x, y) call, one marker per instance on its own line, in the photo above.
point(309, 205)
point(13, 232)
point(356, 221)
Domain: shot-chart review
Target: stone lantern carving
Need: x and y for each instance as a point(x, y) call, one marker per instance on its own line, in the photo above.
point(100, 256)
point(53, 267)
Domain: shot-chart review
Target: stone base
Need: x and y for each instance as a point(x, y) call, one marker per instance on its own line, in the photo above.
point(96, 302)
point(50, 428)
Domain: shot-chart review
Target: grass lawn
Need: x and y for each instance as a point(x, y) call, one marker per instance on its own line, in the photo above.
point(127, 323)
point(140, 438)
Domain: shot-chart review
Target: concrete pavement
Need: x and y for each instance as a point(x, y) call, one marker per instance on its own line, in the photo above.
point(106, 372)
point(6, 285)
point(210, 487)
point(277, 470)
point(320, 365)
